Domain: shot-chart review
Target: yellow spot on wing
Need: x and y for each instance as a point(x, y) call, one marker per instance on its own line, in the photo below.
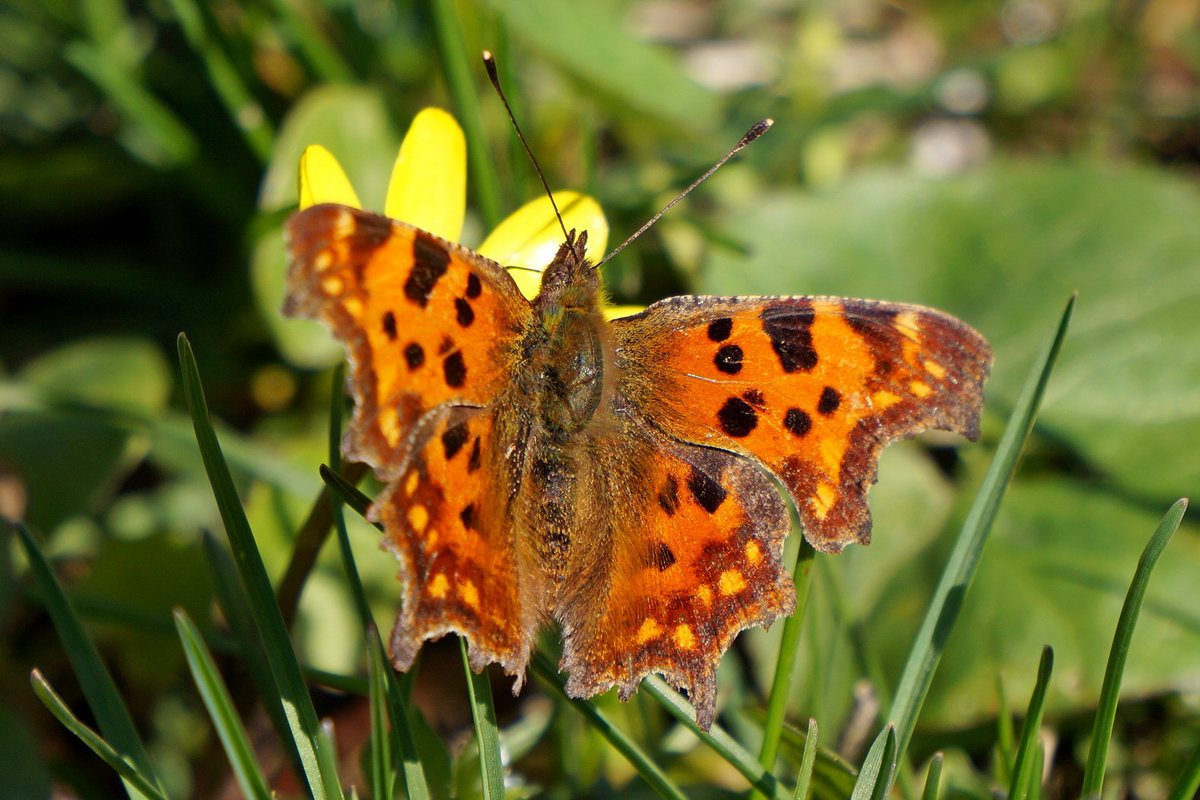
point(935, 369)
point(332, 285)
point(884, 399)
point(920, 389)
point(908, 323)
point(438, 586)
point(650, 630)
point(684, 638)
point(705, 594)
point(410, 483)
point(731, 582)
point(468, 593)
point(353, 305)
point(323, 260)
point(418, 517)
point(389, 426)
point(753, 552)
point(824, 500)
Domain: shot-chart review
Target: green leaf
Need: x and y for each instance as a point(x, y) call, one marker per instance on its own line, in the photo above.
point(999, 247)
point(933, 779)
point(1093, 772)
point(318, 764)
point(221, 710)
point(136, 783)
point(875, 777)
point(649, 771)
point(487, 732)
point(806, 762)
point(1023, 773)
point(588, 41)
point(94, 678)
point(955, 579)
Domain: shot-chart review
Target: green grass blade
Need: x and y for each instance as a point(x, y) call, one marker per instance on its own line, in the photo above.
point(1189, 780)
point(716, 738)
point(1027, 747)
point(318, 765)
point(221, 710)
point(487, 732)
point(960, 567)
point(807, 760)
point(243, 108)
point(136, 783)
point(785, 665)
point(380, 767)
point(461, 69)
point(933, 779)
point(348, 492)
point(638, 758)
point(317, 52)
point(1004, 738)
point(240, 617)
point(875, 778)
point(101, 693)
point(1110, 689)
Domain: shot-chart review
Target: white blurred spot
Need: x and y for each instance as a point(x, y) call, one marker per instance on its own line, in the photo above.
point(962, 91)
point(944, 147)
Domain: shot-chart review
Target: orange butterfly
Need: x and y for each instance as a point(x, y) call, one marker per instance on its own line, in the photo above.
point(547, 465)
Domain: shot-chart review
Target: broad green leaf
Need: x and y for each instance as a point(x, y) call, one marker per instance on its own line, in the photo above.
point(1000, 248)
point(589, 41)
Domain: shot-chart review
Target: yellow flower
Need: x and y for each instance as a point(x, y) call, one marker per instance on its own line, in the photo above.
point(428, 189)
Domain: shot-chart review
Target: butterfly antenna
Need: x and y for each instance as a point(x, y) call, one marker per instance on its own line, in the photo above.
point(489, 63)
point(759, 128)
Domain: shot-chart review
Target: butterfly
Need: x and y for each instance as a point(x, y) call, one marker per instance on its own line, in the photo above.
point(544, 465)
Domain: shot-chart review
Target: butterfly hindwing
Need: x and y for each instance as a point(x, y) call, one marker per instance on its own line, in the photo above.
point(692, 539)
point(424, 320)
point(814, 387)
point(450, 528)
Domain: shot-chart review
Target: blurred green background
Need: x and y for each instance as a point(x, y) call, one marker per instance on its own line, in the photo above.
point(987, 158)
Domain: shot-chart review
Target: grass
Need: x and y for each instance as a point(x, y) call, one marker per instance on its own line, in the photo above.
point(185, 121)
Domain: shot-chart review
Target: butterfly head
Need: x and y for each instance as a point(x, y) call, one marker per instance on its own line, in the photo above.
point(571, 280)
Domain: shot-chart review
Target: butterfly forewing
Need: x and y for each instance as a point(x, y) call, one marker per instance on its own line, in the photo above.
point(814, 387)
point(424, 321)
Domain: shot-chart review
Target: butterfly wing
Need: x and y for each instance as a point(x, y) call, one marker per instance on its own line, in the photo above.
point(432, 331)
point(813, 387)
point(690, 541)
point(424, 321)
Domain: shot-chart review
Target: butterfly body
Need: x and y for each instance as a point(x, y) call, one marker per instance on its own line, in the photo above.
point(547, 465)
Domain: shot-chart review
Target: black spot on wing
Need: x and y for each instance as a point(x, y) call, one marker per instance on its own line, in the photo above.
point(453, 439)
point(737, 418)
point(463, 312)
point(729, 359)
point(829, 402)
point(719, 329)
point(467, 516)
point(790, 332)
point(661, 556)
point(668, 496)
point(389, 325)
point(474, 287)
point(455, 370)
point(473, 461)
point(797, 421)
point(430, 260)
point(414, 355)
point(706, 491)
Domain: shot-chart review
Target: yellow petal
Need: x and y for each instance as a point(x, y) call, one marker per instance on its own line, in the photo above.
point(322, 179)
point(616, 312)
point(531, 235)
point(428, 187)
